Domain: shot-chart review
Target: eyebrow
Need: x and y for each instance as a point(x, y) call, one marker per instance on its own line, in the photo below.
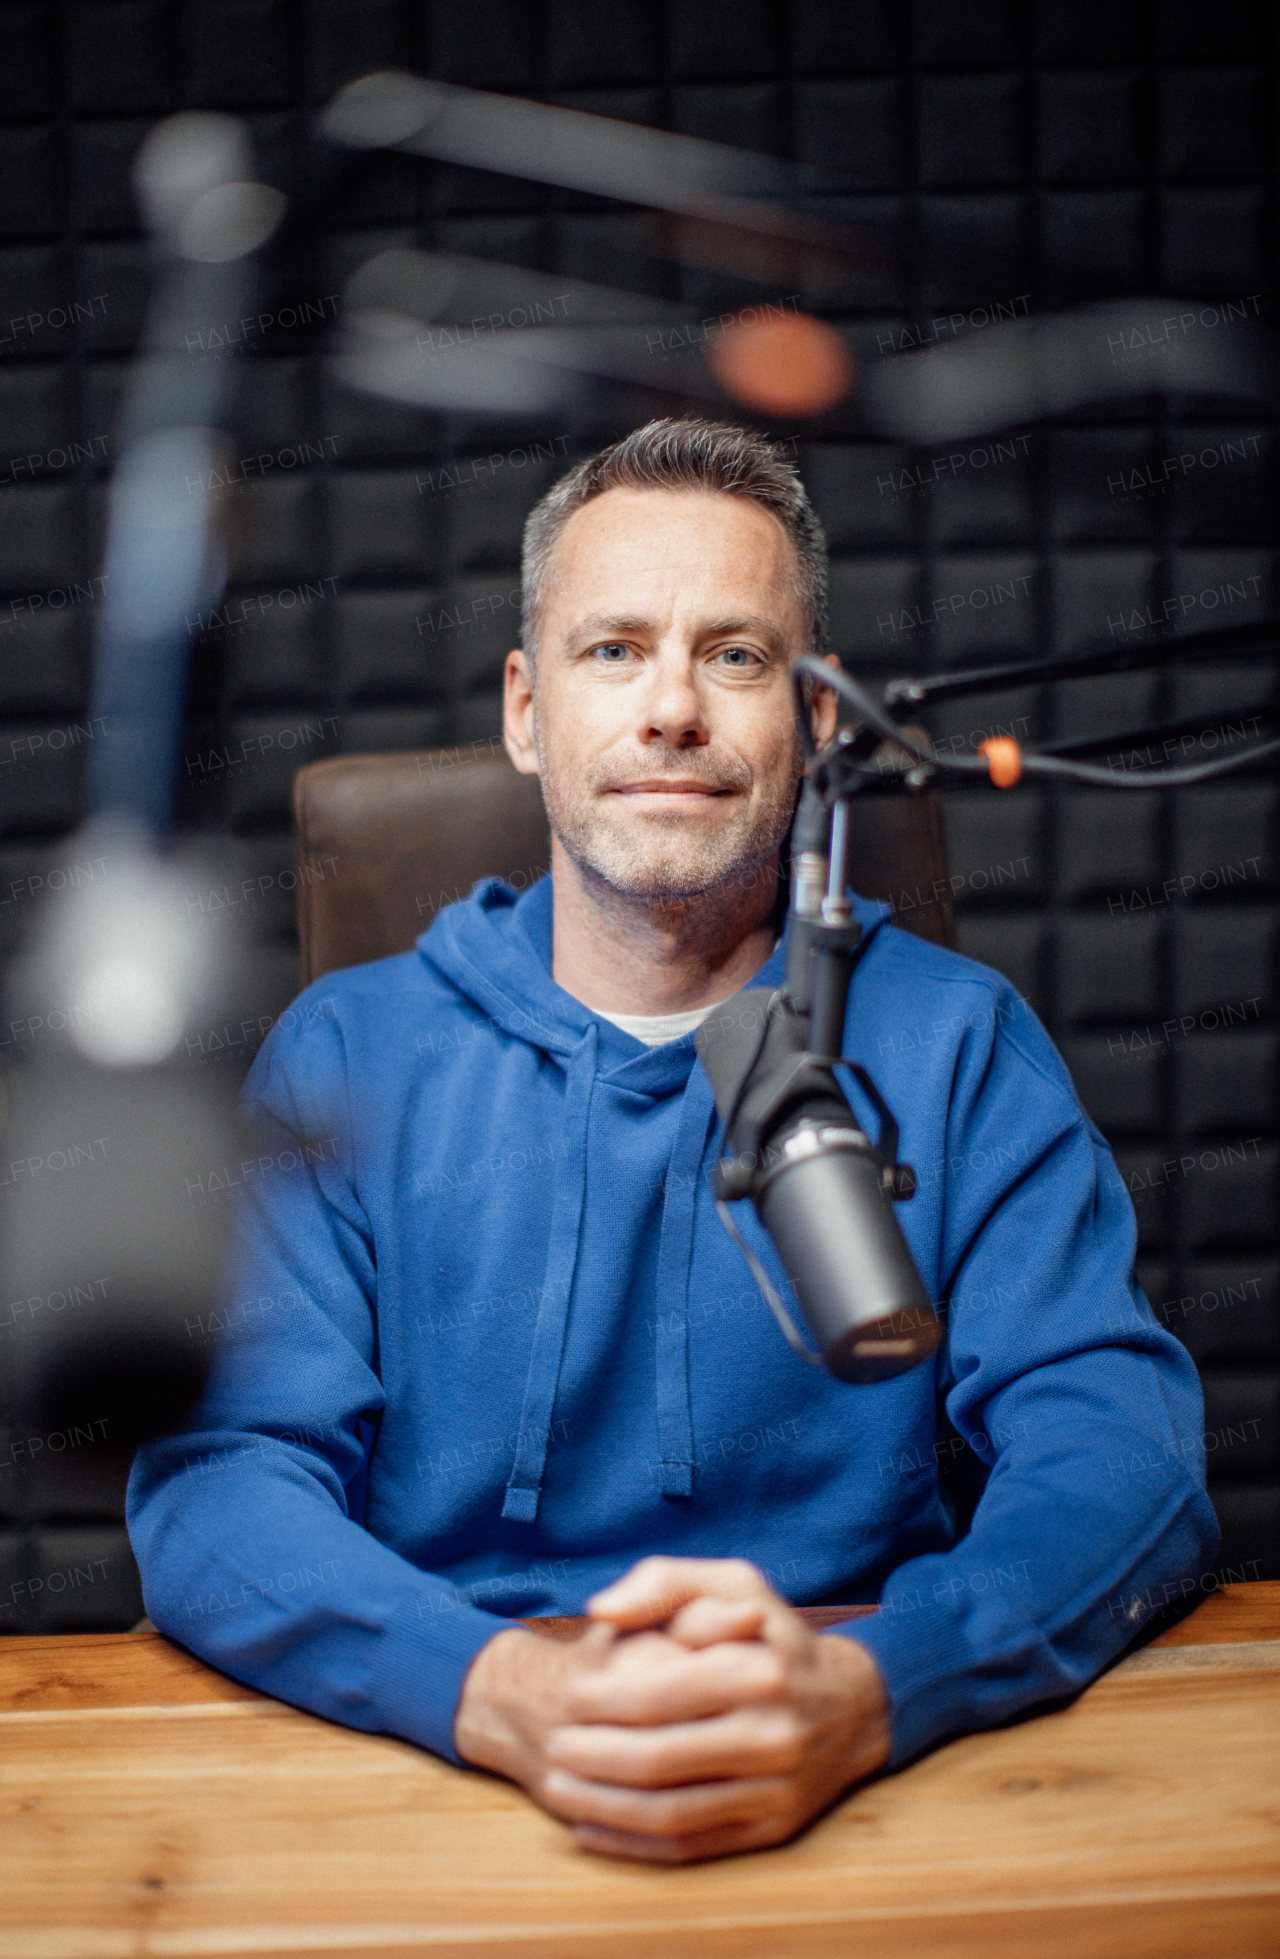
point(744, 622)
point(610, 622)
point(748, 622)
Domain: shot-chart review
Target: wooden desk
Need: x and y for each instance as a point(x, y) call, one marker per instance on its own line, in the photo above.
point(150, 1806)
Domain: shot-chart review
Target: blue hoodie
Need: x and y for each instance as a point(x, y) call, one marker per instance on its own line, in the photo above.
point(487, 1344)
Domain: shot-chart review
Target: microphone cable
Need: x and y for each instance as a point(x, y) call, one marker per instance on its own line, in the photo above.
point(1004, 762)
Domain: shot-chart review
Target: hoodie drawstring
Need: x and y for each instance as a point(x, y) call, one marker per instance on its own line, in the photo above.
point(525, 1485)
point(675, 1257)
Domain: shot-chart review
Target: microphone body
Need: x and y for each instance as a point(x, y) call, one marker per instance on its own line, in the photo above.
point(826, 1211)
point(822, 1189)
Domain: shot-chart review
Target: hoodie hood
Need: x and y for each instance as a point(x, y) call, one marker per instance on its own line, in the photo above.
point(496, 949)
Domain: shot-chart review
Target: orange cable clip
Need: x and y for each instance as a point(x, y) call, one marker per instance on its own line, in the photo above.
point(1004, 760)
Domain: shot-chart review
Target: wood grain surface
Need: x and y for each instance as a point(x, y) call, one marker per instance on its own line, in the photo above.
point(143, 1669)
point(149, 1806)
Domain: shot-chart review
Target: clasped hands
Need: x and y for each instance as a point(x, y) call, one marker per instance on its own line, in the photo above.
point(698, 1716)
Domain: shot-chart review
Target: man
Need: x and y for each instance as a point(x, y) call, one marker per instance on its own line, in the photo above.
point(491, 1354)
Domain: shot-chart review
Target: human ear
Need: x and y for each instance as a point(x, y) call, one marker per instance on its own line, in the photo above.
point(824, 706)
point(518, 713)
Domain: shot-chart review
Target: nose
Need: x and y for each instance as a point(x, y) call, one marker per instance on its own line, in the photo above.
point(671, 707)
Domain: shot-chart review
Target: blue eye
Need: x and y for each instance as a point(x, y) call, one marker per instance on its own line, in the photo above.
point(737, 655)
point(603, 653)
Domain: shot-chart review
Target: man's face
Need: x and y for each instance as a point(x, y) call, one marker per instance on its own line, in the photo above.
point(662, 721)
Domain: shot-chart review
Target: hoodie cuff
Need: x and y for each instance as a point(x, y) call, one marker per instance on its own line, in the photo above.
point(932, 1677)
point(422, 1665)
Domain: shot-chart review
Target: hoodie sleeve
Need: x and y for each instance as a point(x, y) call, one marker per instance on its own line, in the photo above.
point(247, 1525)
point(1086, 1413)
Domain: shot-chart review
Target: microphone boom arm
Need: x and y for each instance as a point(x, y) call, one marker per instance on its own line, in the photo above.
point(791, 1141)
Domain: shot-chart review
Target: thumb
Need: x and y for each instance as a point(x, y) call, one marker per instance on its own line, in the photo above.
point(708, 1621)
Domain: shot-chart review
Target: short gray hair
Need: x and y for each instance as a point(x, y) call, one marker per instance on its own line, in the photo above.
point(682, 454)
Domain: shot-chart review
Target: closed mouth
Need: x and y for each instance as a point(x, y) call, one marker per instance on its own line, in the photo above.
point(669, 787)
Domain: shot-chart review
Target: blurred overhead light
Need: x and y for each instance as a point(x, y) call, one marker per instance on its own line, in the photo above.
point(183, 157)
point(1033, 370)
point(229, 221)
point(793, 366)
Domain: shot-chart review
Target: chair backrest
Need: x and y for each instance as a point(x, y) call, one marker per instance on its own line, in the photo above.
point(386, 840)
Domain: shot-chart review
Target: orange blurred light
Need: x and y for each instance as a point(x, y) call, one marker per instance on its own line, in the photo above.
point(793, 366)
point(1004, 760)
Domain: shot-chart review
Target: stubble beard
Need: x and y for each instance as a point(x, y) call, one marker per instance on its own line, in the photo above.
point(664, 861)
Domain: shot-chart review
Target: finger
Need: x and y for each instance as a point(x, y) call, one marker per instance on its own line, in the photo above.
point(595, 1640)
point(752, 1741)
point(724, 1842)
point(664, 1812)
point(706, 1621)
point(647, 1688)
point(655, 1588)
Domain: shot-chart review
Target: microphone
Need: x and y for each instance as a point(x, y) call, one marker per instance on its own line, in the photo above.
point(108, 1242)
point(823, 1190)
point(112, 1254)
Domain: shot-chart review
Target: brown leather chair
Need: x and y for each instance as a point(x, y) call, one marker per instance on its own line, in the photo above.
point(386, 840)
